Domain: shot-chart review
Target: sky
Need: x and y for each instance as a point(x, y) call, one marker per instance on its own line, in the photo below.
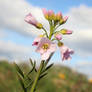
point(16, 36)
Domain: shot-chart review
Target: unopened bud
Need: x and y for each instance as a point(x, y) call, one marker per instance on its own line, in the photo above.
point(63, 20)
point(65, 31)
point(58, 36)
point(39, 25)
point(60, 44)
point(58, 16)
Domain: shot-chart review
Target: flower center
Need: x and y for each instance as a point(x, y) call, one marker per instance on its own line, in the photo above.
point(45, 46)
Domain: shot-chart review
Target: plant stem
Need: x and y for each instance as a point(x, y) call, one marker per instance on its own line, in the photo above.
point(37, 77)
point(45, 31)
point(51, 31)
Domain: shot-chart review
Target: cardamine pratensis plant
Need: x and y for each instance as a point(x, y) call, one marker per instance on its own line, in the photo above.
point(46, 45)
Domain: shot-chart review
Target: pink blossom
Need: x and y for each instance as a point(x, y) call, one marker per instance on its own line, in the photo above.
point(30, 19)
point(36, 41)
point(58, 36)
point(66, 52)
point(45, 48)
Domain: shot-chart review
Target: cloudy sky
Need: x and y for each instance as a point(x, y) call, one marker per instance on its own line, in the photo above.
point(16, 36)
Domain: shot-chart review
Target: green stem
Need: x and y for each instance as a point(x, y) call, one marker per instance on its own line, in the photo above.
point(37, 77)
point(51, 31)
point(45, 31)
point(56, 27)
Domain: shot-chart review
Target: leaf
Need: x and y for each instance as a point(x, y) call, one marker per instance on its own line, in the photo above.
point(19, 70)
point(41, 76)
point(31, 62)
point(48, 67)
point(33, 68)
point(29, 85)
point(22, 83)
point(35, 65)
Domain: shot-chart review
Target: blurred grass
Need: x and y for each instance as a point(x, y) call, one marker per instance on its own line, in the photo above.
point(59, 79)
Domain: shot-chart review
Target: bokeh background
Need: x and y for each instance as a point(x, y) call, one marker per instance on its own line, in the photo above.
point(16, 36)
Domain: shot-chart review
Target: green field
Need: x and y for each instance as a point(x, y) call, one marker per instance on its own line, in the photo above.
point(58, 79)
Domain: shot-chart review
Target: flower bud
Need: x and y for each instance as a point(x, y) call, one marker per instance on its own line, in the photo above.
point(60, 44)
point(58, 16)
point(45, 12)
point(65, 31)
point(58, 36)
point(31, 19)
point(39, 25)
point(63, 20)
point(51, 14)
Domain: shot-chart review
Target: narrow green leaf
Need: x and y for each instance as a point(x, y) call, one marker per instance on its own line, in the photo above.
point(19, 70)
point(48, 67)
point(22, 83)
point(31, 62)
point(30, 84)
point(41, 76)
point(35, 65)
point(33, 68)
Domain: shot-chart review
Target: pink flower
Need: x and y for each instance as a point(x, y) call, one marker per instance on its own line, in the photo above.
point(66, 52)
point(58, 36)
point(36, 41)
point(30, 19)
point(45, 48)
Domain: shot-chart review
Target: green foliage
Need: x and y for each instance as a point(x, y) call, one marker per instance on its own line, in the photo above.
point(59, 79)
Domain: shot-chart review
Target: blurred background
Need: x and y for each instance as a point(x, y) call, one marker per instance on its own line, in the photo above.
point(16, 36)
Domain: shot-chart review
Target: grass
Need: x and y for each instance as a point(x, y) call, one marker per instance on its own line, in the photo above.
point(59, 79)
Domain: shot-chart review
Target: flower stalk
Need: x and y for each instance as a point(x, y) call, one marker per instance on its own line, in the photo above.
point(37, 77)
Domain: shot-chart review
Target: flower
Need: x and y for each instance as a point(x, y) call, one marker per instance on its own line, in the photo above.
point(45, 48)
point(37, 40)
point(66, 52)
point(58, 36)
point(31, 20)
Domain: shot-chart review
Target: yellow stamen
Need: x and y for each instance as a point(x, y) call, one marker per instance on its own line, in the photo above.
point(45, 46)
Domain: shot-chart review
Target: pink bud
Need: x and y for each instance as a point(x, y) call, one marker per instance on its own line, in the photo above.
point(50, 12)
point(45, 12)
point(65, 18)
point(58, 36)
point(59, 14)
point(30, 19)
point(69, 32)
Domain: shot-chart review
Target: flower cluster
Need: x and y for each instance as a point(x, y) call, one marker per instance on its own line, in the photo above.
point(47, 43)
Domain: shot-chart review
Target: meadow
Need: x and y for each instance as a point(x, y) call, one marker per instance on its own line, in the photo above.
point(59, 79)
